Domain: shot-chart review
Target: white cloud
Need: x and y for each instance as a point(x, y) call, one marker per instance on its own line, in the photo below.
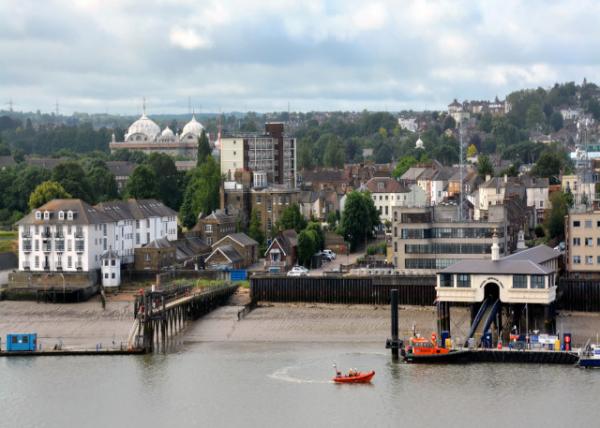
point(188, 39)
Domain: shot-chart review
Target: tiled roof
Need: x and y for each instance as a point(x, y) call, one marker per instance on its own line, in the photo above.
point(229, 252)
point(83, 213)
point(385, 185)
point(538, 254)
point(499, 267)
point(241, 238)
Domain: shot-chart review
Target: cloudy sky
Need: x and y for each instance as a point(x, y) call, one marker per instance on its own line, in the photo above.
point(105, 55)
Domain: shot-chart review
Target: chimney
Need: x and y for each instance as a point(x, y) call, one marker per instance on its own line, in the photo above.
point(495, 248)
point(521, 241)
point(488, 177)
point(505, 178)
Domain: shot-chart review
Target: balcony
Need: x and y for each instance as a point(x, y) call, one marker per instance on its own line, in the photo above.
point(60, 245)
point(46, 248)
point(26, 266)
point(79, 266)
point(46, 234)
point(26, 234)
point(59, 235)
point(79, 248)
point(79, 234)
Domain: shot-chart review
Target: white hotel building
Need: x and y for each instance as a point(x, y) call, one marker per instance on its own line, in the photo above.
point(70, 235)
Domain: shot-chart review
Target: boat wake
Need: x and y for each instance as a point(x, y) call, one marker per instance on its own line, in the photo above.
point(285, 376)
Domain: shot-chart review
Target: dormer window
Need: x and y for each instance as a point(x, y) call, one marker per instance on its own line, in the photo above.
point(38, 215)
point(46, 215)
point(69, 215)
point(61, 215)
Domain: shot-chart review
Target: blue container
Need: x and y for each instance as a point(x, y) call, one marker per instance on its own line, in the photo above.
point(445, 335)
point(21, 342)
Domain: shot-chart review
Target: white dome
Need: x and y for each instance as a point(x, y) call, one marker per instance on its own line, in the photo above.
point(167, 133)
point(144, 125)
point(419, 144)
point(192, 127)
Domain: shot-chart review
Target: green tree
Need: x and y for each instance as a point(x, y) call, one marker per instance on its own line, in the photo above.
point(484, 166)
point(403, 165)
point(307, 246)
point(45, 192)
point(535, 117)
point(486, 123)
point(255, 228)
point(549, 164)
point(334, 153)
point(101, 181)
point(332, 219)
point(556, 121)
point(143, 183)
point(319, 235)
point(449, 123)
point(202, 192)
point(291, 218)
point(73, 179)
point(555, 222)
point(203, 148)
point(167, 179)
point(359, 218)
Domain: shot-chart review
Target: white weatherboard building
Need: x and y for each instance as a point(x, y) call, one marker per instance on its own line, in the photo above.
point(70, 235)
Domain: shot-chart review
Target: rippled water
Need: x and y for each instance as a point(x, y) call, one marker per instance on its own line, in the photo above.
point(272, 385)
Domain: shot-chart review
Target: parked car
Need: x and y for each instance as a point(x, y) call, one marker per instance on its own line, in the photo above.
point(324, 256)
point(330, 253)
point(298, 271)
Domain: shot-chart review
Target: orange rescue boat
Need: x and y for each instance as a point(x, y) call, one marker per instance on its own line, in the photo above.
point(354, 376)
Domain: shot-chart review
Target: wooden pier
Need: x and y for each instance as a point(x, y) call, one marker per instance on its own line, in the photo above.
point(160, 315)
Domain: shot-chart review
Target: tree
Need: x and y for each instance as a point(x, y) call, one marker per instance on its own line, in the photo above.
point(555, 222)
point(449, 123)
point(73, 179)
point(549, 164)
point(101, 180)
point(291, 218)
point(143, 183)
point(556, 121)
point(332, 219)
point(167, 179)
point(535, 117)
point(307, 246)
point(334, 153)
point(203, 148)
point(319, 235)
point(471, 151)
point(486, 123)
point(202, 192)
point(255, 229)
point(484, 166)
point(45, 192)
point(359, 218)
point(403, 165)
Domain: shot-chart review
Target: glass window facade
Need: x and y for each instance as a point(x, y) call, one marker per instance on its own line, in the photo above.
point(463, 280)
point(446, 280)
point(537, 281)
point(519, 281)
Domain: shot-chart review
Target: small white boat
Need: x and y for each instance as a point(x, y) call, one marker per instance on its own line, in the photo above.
point(590, 356)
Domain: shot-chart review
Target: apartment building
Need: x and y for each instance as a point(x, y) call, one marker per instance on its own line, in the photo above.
point(432, 238)
point(71, 235)
point(582, 237)
point(272, 154)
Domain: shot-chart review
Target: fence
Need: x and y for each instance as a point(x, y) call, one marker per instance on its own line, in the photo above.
point(343, 290)
point(579, 294)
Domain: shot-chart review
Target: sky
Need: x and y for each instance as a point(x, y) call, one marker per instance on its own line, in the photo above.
point(243, 55)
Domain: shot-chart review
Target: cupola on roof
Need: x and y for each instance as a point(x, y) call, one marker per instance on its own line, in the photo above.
point(192, 127)
point(145, 126)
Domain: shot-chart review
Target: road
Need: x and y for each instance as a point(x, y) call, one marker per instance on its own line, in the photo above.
point(334, 265)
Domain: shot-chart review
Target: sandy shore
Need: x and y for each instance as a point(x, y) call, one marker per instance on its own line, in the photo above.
point(84, 325)
point(76, 325)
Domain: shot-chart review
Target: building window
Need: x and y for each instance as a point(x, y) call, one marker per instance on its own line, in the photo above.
point(61, 215)
point(38, 215)
point(147, 257)
point(576, 223)
point(576, 260)
point(463, 280)
point(137, 238)
point(589, 260)
point(36, 262)
point(208, 228)
point(446, 280)
point(69, 262)
point(106, 276)
point(519, 281)
point(589, 242)
point(576, 242)
point(537, 281)
point(588, 223)
point(69, 215)
point(46, 215)
point(137, 224)
point(112, 275)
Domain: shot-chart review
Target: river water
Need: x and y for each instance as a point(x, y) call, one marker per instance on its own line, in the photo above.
point(287, 385)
